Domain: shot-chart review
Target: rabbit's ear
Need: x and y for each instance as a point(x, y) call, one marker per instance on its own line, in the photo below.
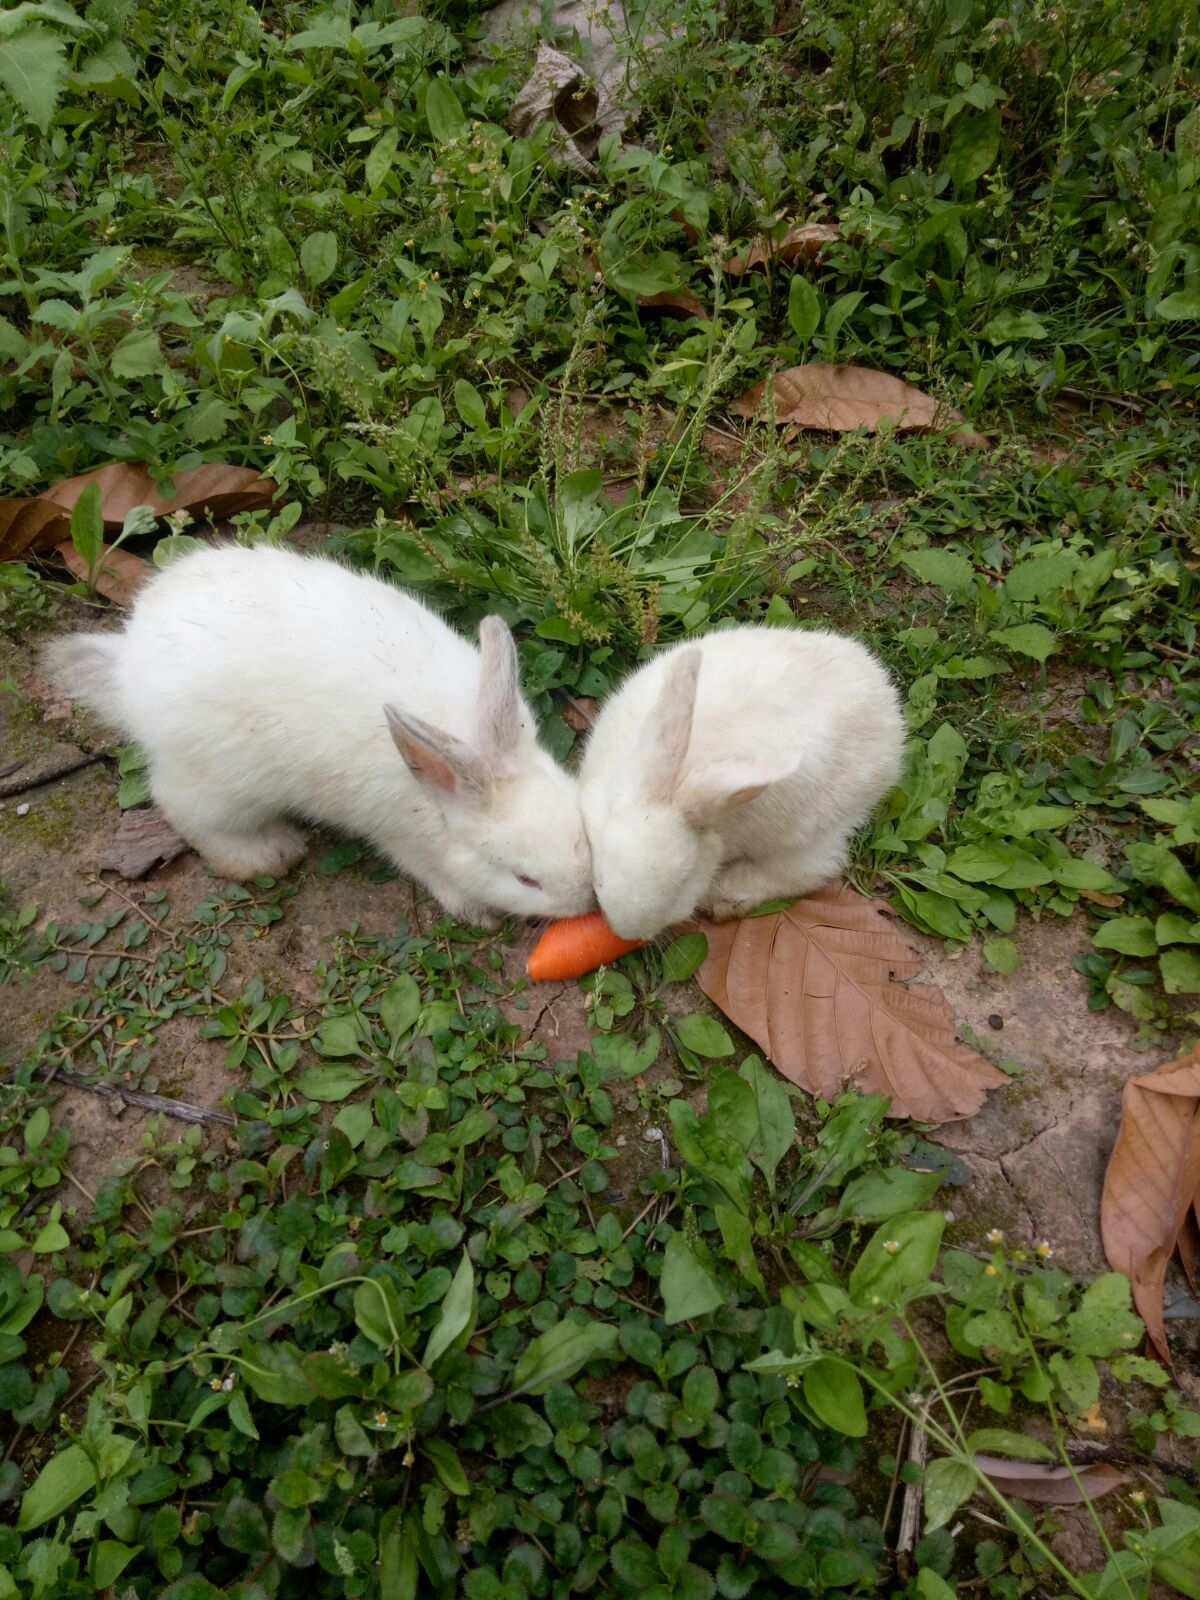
point(721, 787)
point(499, 692)
point(668, 728)
point(437, 758)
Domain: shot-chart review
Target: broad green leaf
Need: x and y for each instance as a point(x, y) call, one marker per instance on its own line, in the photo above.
point(399, 1541)
point(1171, 928)
point(108, 1561)
point(329, 32)
point(943, 568)
point(447, 1465)
point(137, 355)
point(1002, 955)
point(947, 1485)
point(295, 1488)
point(898, 1258)
point(1131, 936)
point(355, 1122)
point(340, 1036)
point(1180, 973)
point(1009, 326)
point(1004, 1442)
point(329, 1084)
point(274, 1372)
point(558, 1354)
point(683, 957)
point(1039, 576)
point(87, 525)
point(931, 1586)
point(33, 64)
point(457, 1314)
point(37, 1128)
point(844, 306)
point(833, 1391)
point(1182, 306)
point(1077, 872)
point(1027, 639)
point(688, 1288)
point(443, 113)
point(319, 257)
point(64, 1478)
point(775, 1121)
point(1078, 1379)
point(804, 307)
point(974, 146)
point(379, 162)
point(400, 1005)
point(470, 405)
point(1150, 863)
point(737, 1237)
point(378, 1312)
point(875, 1196)
point(52, 1238)
point(704, 1035)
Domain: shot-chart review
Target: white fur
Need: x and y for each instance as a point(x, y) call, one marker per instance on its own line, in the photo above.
point(257, 681)
point(733, 770)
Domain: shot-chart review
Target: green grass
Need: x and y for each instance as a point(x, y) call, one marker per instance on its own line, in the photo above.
point(306, 243)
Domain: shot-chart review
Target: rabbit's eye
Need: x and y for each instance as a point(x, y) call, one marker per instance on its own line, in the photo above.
point(530, 883)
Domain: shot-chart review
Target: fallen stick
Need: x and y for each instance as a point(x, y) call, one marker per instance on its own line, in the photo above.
point(182, 1109)
point(17, 784)
point(910, 1510)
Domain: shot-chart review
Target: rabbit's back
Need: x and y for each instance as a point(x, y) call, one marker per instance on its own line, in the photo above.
point(263, 644)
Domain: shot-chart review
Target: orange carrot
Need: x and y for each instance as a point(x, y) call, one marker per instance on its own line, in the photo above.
point(575, 947)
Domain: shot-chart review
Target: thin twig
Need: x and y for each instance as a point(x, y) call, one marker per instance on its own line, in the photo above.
point(184, 1110)
point(68, 764)
point(910, 1511)
point(135, 905)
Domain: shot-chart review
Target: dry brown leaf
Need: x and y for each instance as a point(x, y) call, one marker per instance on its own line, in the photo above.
point(118, 576)
point(676, 303)
point(805, 242)
point(1101, 897)
point(580, 712)
point(837, 399)
point(815, 987)
point(43, 521)
point(1152, 1182)
point(1051, 1486)
point(144, 839)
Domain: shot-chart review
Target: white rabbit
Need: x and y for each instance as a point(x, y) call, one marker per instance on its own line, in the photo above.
point(264, 684)
point(733, 770)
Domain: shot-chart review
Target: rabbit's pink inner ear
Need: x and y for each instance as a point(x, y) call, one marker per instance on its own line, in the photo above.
point(427, 765)
point(436, 758)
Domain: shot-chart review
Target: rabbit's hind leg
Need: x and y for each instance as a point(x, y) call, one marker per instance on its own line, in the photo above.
point(235, 843)
point(741, 886)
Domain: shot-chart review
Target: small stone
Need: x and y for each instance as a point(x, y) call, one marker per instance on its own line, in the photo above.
point(620, 1141)
point(654, 1135)
point(23, 810)
point(996, 1021)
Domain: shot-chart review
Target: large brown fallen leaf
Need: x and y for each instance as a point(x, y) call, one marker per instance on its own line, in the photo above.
point(43, 521)
point(1152, 1182)
point(118, 576)
point(818, 395)
point(1051, 1486)
point(816, 988)
point(804, 242)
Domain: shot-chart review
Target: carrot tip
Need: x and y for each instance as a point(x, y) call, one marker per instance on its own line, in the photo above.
point(576, 946)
